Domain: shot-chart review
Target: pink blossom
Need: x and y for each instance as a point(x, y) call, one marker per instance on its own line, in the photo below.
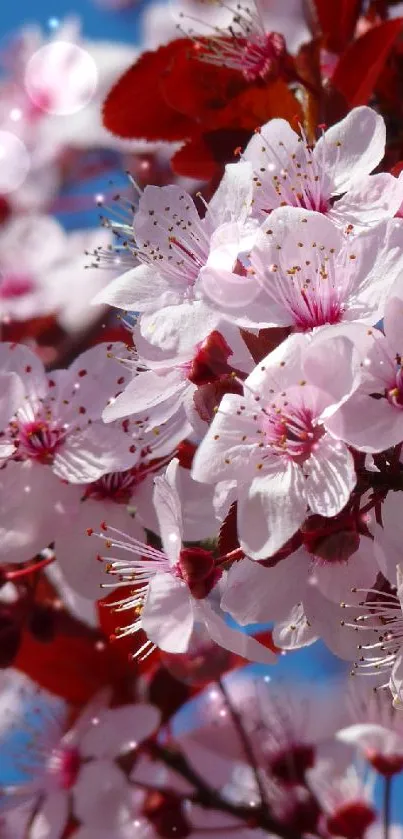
point(173, 585)
point(173, 245)
point(375, 729)
point(372, 419)
point(43, 271)
point(273, 442)
point(58, 424)
point(305, 273)
point(288, 169)
point(170, 389)
point(62, 763)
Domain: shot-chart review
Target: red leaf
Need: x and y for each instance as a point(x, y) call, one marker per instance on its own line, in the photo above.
point(71, 667)
point(205, 155)
point(198, 89)
point(359, 68)
point(337, 20)
point(136, 106)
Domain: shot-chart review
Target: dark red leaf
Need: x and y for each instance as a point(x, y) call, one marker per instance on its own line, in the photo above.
point(205, 155)
point(359, 68)
point(136, 106)
point(337, 20)
point(198, 89)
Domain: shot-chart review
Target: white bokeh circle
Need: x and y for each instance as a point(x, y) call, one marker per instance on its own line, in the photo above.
point(61, 78)
point(14, 162)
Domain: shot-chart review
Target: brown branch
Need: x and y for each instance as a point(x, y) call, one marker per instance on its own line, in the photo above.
point(209, 798)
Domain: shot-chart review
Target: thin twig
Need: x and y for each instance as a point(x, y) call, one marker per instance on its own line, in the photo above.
point(246, 744)
point(210, 799)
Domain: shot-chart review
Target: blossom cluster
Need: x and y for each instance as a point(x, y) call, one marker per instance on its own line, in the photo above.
point(201, 423)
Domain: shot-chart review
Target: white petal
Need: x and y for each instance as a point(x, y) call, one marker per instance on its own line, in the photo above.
point(231, 639)
point(369, 201)
point(142, 289)
point(52, 817)
point(270, 511)
point(331, 477)
point(118, 729)
point(167, 617)
point(232, 199)
point(352, 148)
point(254, 594)
point(101, 795)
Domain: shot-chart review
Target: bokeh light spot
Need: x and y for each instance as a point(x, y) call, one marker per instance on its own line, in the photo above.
point(61, 78)
point(14, 162)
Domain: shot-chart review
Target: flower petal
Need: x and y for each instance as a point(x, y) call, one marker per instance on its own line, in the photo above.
point(270, 511)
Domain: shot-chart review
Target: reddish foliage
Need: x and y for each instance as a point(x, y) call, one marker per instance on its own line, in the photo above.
point(361, 64)
point(136, 106)
point(337, 21)
point(212, 107)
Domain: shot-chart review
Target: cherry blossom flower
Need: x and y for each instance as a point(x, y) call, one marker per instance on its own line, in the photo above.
point(165, 388)
point(273, 442)
point(375, 730)
point(304, 273)
point(173, 246)
point(347, 800)
point(173, 585)
point(290, 170)
point(274, 591)
point(58, 424)
point(43, 271)
point(372, 419)
point(34, 504)
point(77, 764)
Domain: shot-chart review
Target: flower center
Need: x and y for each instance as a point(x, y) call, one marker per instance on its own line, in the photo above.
point(15, 285)
point(351, 820)
point(36, 440)
point(197, 569)
point(261, 56)
point(116, 486)
point(210, 361)
point(290, 430)
point(290, 765)
point(395, 394)
point(63, 765)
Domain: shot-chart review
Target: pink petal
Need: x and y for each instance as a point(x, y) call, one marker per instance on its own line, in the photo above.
point(101, 795)
point(271, 592)
point(270, 511)
point(27, 524)
point(160, 393)
point(52, 817)
point(295, 631)
point(222, 455)
point(369, 201)
point(330, 477)
point(237, 642)
point(178, 328)
point(167, 617)
point(352, 148)
point(118, 729)
point(232, 199)
point(12, 393)
point(77, 551)
point(167, 502)
point(89, 454)
point(142, 289)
